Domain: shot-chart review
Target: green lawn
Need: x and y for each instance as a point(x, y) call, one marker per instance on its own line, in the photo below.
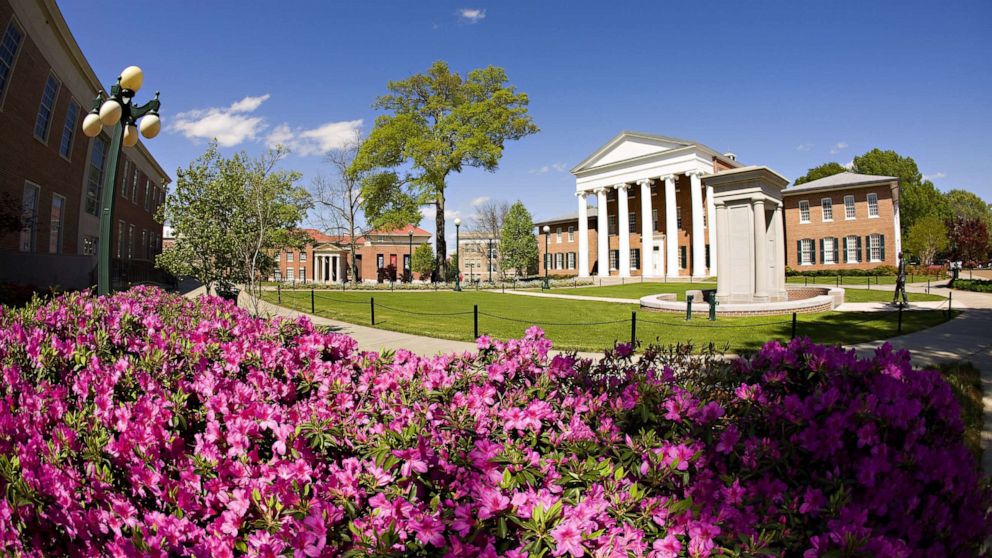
point(966, 381)
point(635, 290)
point(884, 294)
point(584, 325)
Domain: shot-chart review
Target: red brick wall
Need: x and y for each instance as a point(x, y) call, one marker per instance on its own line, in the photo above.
point(840, 227)
point(366, 254)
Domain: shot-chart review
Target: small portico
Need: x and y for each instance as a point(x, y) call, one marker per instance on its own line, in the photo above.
point(750, 234)
point(329, 263)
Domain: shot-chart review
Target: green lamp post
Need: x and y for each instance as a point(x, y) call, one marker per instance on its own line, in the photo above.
point(119, 112)
point(458, 257)
point(547, 255)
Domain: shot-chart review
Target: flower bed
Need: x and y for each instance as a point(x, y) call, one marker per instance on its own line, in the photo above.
point(147, 424)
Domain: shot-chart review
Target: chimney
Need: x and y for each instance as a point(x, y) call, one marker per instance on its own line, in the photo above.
point(731, 156)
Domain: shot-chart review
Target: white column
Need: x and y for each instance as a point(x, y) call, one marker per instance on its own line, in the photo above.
point(602, 234)
point(583, 235)
point(671, 228)
point(697, 242)
point(760, 258)
point(778, 223)
point(722, 283)
point(647, 230)
point(623, 229)
point(898, 230)
point(711, 227)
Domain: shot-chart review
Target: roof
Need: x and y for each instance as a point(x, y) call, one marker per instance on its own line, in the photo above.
point(590, 213)
point(682, 143)
point(322, 238)
point(744, 173)
point(840, 180)
point(402, 231)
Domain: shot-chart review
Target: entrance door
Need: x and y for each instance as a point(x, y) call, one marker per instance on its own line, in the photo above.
point(656, 256)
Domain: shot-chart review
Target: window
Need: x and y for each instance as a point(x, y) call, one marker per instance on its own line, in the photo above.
point(806, 252)
point(29, 217)
point(678, 217)
point(632, 222)
point(828, 250)
point(130, 242)
point(94, 178)
point(303, 274)
point(872, 205)
point(134, 183)
point(614, 259)
point(571, 233)
point(654, 219)
point(148, 196)
point(683, 258)
point(289, 274)
point(278, 254)
point(558, 235)
point(9, 46)
point(852, 249)
point(55, 226)
point(127, 170)
point(289, 256)
point(89, 245)
point(560, 260)
point(876, 247)
point(303, 256)
point(827, 209)
point(571, 260)
point(849, 207)
point(803, 211)
point(43, 121)
point(635, 258)
point(144, 242)
point(120, 238)
point(69, 129)
point(612, 224)
point(380, 261)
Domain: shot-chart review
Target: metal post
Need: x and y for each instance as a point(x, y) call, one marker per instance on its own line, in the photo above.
point(899, 329)
point(372, 308)
point(869, 282)
point(278, 294)
point(633, 329)
point(475, 319)
point(805, 278)
point(713, 304)
point(688, 307)
point(950, 297)
point(794, 324)
point(313, 307)
point(490, 260)
point(458, 257)
point(107, 198)
point(928, 284)
point(838, 280)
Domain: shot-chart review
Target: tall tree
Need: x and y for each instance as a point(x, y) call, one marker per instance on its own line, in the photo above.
point(917, 197)
point(423, 261)
point(962, 204)
point(926, 238)
point(518, 245)
point(969, 240)
point(229, 214)
point(437, 123)
point(487, 222)
point(822, 171)
point(339, 199)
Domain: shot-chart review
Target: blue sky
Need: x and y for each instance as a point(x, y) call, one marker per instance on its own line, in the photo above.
point(784, 84)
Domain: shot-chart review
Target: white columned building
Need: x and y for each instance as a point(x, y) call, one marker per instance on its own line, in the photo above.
point(668, 172)
point(583, 234)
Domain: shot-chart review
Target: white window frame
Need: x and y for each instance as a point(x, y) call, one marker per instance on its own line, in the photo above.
point(560, 260)
point(828, 252)
point(806, 247)
point(144, 242)
point(874, 246)
point(611, 224)
point(635, 258)
point(873, 206)
point(289, 256)
point(571, 233)
point(303, 274)
point(654, 219)
point(632, 222)
point(678, 217)
point(827, 210)
point(851, 249)
point(289, 274)
point(68, 138)
point(614, 260)
point(56, 227)
point(303, 256)
point(804, 216)
point(94, 184)
point(558, 235)
point(50, 108)
point(120, 237)
point(850, 208)
point(571, 260)
point(130, 242)
point(8, 66)
point(29, 213)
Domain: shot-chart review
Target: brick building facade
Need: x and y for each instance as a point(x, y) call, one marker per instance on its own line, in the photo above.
point(50, 173)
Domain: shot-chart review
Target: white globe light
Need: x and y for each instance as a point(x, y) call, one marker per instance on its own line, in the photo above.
point(457, 221)
point(132, 77)
point(92, 125)
point(130, 135)
point(547, 229)
point(110, 112)
point(150, 125)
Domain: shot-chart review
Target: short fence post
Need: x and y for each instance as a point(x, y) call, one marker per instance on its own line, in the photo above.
point(805, 280)
point(475, 316)
point(950, 297)
point(899, 329)
point(928, 285)
point(278, 294)
point(633, 329)
point(838, 280)
point(313, 307)
point(372, 308)
point(869, 282)
point(621, 280)
point(794, 325)
point(688, 307)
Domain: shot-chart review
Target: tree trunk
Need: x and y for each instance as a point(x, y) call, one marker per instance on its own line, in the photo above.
point(354, 265)
point(442, 251)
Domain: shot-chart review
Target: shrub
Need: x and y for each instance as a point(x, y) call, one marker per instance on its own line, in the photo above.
point(977, 285)
point(148, 424)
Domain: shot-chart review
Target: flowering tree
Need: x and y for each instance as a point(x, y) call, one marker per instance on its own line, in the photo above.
point(145, 424)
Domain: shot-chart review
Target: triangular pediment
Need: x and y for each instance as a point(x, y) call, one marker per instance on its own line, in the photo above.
point(630, 145)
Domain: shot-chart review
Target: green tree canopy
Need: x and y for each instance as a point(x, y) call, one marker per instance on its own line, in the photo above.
point(926, 238)
point(962, 204)
point(822, 171)
point(438, 123)
point(423, 261)
point(969, 240)
point(517, 243)
point(229, 214)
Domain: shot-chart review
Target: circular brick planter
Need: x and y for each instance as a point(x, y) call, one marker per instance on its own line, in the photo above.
point(801, 300)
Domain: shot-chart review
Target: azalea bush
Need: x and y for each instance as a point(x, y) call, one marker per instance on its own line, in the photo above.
point(145, 424)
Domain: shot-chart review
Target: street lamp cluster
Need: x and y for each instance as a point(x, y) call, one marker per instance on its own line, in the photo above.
point(119, 112)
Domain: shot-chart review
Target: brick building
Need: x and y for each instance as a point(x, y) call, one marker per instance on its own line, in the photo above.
point(478, 256)
point(844, 221)
point(325, 258)
point(50, 173)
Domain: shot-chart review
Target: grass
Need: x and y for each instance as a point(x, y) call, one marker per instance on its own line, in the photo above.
point(856, 280)
point(635, 290)
point(883, 294)
point(966, 381)
point(589, 326)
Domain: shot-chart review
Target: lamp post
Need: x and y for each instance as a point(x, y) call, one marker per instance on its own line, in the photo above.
point(409, 264)
point(547, 255)
point(120, 113)
point(458, 257)
point(490, 260)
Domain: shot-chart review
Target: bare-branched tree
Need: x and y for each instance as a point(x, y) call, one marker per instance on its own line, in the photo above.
point(487, 222)
point(339, 202)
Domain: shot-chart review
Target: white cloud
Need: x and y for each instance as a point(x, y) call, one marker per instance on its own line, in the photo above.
point(229, 125)
point(555, 167)
point(838, 147)
point(804, 147)
point(315, 141)
point(480, 200)
point(934, 176)
point(430, 211)
point(472, 15)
